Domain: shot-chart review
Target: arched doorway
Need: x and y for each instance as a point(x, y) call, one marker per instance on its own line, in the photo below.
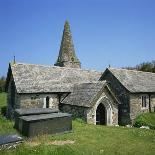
point(103, 111)
point(101, 115)
point(47, 102)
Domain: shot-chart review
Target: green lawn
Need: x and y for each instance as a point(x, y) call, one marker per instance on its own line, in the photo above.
point(88, 140)
point(2, 99)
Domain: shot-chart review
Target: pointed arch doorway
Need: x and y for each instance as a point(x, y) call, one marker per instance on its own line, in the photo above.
point(101, 115)
point(103, 111)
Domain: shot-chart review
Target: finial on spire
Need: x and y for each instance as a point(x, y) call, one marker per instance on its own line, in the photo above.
point(67, 56)
point(66, 23)
point(14, 59)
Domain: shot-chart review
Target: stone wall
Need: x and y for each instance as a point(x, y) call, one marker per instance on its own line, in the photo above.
point(70, 64)
point(12, 99)
point(67, 56)
point(15, 100)
point(76, 111)
point(110, 105)
point(123, 95)
point(131, 104)
point(136, 104)
point(89, 114)
point(152, 98)
point(38, 100)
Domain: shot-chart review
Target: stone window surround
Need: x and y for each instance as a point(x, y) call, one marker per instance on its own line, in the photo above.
point(50, 101)
point(144, 102)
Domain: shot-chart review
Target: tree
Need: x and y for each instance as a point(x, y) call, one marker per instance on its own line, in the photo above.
point(145, 66)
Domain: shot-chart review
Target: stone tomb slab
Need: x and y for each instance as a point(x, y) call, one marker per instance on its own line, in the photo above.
point(31, 111)
point(7, 141)
point(53, 123)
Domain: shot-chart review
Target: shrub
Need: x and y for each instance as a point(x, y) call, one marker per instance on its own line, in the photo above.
point(145, 119)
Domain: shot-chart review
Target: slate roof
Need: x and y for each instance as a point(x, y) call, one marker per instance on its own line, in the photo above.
point(30, 78)
point(135, 81)
point(84, 93)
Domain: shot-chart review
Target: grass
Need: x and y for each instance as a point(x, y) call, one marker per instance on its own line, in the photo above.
point(88, 140)
point(2, 100)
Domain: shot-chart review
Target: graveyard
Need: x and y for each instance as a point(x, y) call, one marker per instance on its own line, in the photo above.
point(84, 139)
point(77, 77)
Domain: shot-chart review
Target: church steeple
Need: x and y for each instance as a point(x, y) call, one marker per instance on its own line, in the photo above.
point(67, 56)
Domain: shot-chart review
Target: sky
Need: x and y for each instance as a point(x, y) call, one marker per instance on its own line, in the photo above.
point(116, 32)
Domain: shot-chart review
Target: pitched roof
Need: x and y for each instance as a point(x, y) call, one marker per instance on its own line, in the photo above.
point(84, 93)
point(135, 81)
point(30, 78)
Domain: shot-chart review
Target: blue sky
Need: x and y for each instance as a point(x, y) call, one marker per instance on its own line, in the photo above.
point(116, 32)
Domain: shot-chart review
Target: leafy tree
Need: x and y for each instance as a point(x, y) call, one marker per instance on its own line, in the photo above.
point(145, 66)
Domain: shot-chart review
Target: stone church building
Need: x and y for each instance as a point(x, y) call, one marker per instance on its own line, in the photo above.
point(115, 96)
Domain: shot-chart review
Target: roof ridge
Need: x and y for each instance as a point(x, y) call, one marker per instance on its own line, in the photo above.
point(51, 66)
point(130, 70)
point(93, 82)
point(22, 63)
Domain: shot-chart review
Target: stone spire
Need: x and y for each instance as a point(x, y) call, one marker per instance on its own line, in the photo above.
point(67, 56)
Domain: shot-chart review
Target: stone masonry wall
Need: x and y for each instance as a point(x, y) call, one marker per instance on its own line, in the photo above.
point(152, 97)
point(38, 100)
point(123, 95)
point(15, 100)
point(136, 105)
point(76, 111)
point(71, 64)
point(12, 99)
point(91, 112)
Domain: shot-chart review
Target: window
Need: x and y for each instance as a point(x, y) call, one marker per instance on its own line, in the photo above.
point(143, 101)
point(47, 102)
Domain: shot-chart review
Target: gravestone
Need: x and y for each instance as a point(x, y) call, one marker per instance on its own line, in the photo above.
point(34, 125)
point(31, 111)
point(9, 141)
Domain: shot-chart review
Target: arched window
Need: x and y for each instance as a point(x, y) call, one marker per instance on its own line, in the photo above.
point(47, 102)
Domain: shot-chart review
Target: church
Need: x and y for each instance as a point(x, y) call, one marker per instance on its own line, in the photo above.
point(111, 97)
